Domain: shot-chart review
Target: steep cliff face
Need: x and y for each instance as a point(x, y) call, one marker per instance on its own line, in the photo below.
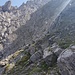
point(12, 18)
point(39, 23)
point(7, 6)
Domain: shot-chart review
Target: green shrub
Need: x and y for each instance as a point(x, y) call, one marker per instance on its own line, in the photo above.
point(64, 43)
point(44, 66)
point(23, 60)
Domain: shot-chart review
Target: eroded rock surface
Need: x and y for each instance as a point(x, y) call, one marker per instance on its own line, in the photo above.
point(66, 62)
point(7, 6)
point(12, 18)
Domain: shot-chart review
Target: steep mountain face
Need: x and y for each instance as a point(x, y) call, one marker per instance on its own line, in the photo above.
point(11, 18)
point(38, 24)
point(7, 6)
point(29, 35)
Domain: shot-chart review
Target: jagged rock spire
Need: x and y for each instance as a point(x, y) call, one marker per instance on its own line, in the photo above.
point(7, 6)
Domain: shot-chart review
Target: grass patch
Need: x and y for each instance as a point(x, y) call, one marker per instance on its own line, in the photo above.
point(64, 43)
point(35, 70)
point(23, 60)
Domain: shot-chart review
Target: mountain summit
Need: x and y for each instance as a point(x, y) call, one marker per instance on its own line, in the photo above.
point(7, 6)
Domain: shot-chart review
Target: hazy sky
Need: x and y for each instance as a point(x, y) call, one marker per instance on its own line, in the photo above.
point(14, 2)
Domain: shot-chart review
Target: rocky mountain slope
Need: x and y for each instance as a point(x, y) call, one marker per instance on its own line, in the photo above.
point(11, 18)
point(36, 28)
point(34, 38)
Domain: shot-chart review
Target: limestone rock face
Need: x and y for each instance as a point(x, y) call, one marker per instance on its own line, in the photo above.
point(7, 6)
point(66, 62)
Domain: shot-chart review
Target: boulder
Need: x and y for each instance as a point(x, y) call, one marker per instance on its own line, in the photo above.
point(49, 57)
point(66, 62)
point(32, 50)
point(54, 46)
point(56, 49)
point(36, 56)
point(51, 54)
point(72, 47)
point(2, 64)
point(46, 52)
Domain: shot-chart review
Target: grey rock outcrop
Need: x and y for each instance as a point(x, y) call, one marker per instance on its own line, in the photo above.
point(7, 6)
point(66, 62)
point(1, 47)
point(12, 18)
point(51, 59)
point(56, 49)
point(36, 56)
point(32, 50)
point(32, 28)
point(30, 24)
point(51, 54)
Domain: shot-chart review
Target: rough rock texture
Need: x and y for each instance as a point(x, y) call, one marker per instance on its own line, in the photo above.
point(51, 54)
point(37, 25)
point(12, 18)
point(27, 34)
point(36, 56)
point(32, 50)
point(7, 6)
point(56, 49)
point(51, 59)
point(1, 55)
point(66, 62)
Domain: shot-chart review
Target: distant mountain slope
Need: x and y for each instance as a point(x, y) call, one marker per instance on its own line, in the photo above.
point(64, 26)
